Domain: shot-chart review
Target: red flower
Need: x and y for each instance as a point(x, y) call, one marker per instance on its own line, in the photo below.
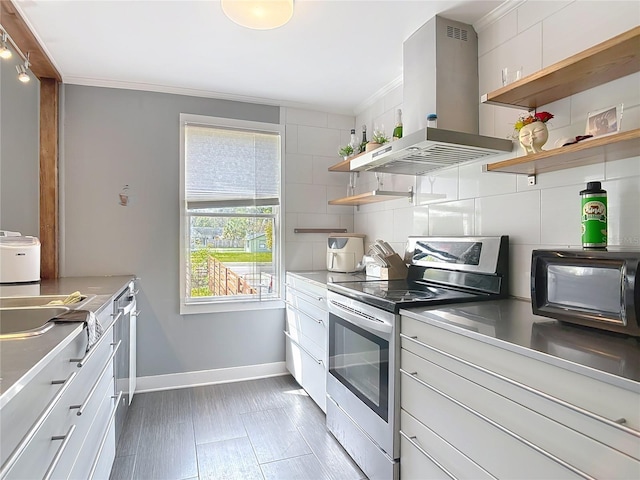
point(543, 116)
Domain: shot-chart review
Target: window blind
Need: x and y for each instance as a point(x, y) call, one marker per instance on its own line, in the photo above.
point(230, 167)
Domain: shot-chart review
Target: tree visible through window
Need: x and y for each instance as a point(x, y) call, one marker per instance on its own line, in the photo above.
point(231, 193)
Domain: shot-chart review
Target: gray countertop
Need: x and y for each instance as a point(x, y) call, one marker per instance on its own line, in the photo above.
point(511, 325)
point(21, 359)
point(322, 277)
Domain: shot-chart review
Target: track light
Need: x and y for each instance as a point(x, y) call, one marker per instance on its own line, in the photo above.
point(4, 48)
point(23, 76)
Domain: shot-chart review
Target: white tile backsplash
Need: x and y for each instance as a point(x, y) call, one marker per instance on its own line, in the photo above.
point(516, 215)
point(623, 209)
point(560, 216)
point(307, 117)
point(319, 141)
point(473, 182)
point(298, 168)
point(452, 218)
point(583, 24)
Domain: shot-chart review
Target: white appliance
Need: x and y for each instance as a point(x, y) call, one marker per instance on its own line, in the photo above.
point(19, 259)
point(345, 252)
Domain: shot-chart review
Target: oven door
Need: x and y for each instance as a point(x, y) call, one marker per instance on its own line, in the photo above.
point(362, 362)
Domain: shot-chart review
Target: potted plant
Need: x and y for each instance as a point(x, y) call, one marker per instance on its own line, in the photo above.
point(531, 131)
point(346, 151)
point(378, 138)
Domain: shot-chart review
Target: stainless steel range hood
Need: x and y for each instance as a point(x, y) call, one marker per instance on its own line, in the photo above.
point(440, 75)
point(429, 149)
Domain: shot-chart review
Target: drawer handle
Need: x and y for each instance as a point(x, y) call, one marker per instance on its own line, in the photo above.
point(412, 441)
point(82, 361)
point(56, 458)
point(97, 382)
point(319, 362)
point(503, 429)
point(19, 450)
point(319, 299)
point(304, 313)
point(575, 408)
point(112, 418)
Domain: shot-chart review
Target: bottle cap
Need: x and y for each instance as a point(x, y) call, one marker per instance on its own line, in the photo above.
point(594, 185)
point(432, 116)
point(353, 130)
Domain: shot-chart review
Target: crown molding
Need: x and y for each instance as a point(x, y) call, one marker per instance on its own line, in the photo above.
point(496, 14)
point(395, 83)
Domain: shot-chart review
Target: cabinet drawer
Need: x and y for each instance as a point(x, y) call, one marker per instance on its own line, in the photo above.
point(78, 446)
point(314, 292)
point(19, 415)
point(577, 452)
point(99, 444)
point(578, 401)
point(496, 451)
point(308, 370)
point(312, 327)
point(424, 454)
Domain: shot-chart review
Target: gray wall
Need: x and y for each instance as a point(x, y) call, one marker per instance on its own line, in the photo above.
point(112, 138)
point(19, 150)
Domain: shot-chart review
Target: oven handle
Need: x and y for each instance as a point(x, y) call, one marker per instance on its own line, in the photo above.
point(363, 322)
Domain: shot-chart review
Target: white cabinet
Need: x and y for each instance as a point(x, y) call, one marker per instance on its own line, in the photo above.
point(61, 424)
point(307, 336)
point(469, 403)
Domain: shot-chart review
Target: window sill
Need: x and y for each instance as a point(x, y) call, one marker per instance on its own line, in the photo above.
point(222, 307)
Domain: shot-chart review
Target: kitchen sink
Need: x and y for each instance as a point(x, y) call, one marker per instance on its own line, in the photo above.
point(24, 322)
point(36, 301)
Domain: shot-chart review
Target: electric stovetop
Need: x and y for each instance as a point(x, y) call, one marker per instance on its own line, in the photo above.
point(391, 295)
point(441, 270)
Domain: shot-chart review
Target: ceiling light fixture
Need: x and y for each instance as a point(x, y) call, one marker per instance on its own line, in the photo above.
point(23, 76)
point(258, 14)
point(4, 48)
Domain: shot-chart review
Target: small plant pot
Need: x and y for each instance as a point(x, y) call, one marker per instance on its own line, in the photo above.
point(371, 146)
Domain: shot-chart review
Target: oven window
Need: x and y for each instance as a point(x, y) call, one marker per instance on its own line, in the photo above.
point(359, 360)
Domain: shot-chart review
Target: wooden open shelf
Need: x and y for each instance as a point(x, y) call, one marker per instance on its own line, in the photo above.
point(602, 63)
point(588, 152)
point(345, 165)
point(371, 197)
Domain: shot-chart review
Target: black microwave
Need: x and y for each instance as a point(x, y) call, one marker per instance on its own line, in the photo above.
point(595, 288)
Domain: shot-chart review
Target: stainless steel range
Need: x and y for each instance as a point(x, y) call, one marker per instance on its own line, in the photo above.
point(362, 386)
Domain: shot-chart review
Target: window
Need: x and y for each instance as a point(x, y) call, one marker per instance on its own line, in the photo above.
point(230, 186)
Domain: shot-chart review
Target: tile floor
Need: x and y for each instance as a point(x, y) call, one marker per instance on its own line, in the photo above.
point(263, 429)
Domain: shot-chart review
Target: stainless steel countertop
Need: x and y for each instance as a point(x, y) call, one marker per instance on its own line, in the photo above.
point(322, 277)
point(510, 324)
point(21, 359)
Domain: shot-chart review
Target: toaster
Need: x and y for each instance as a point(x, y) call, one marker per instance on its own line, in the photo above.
point(19, 259)
point(345, 252)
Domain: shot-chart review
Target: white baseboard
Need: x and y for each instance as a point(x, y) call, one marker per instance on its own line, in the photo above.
point(209, 377)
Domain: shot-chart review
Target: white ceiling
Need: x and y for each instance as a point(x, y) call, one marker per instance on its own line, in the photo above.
point(334, 55)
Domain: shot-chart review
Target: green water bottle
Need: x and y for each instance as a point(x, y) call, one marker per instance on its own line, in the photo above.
point(594, 216)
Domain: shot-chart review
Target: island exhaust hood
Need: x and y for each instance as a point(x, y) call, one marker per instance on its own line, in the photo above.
point(440, 75)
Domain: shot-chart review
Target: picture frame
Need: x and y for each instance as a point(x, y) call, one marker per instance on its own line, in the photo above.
point(605, 121)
